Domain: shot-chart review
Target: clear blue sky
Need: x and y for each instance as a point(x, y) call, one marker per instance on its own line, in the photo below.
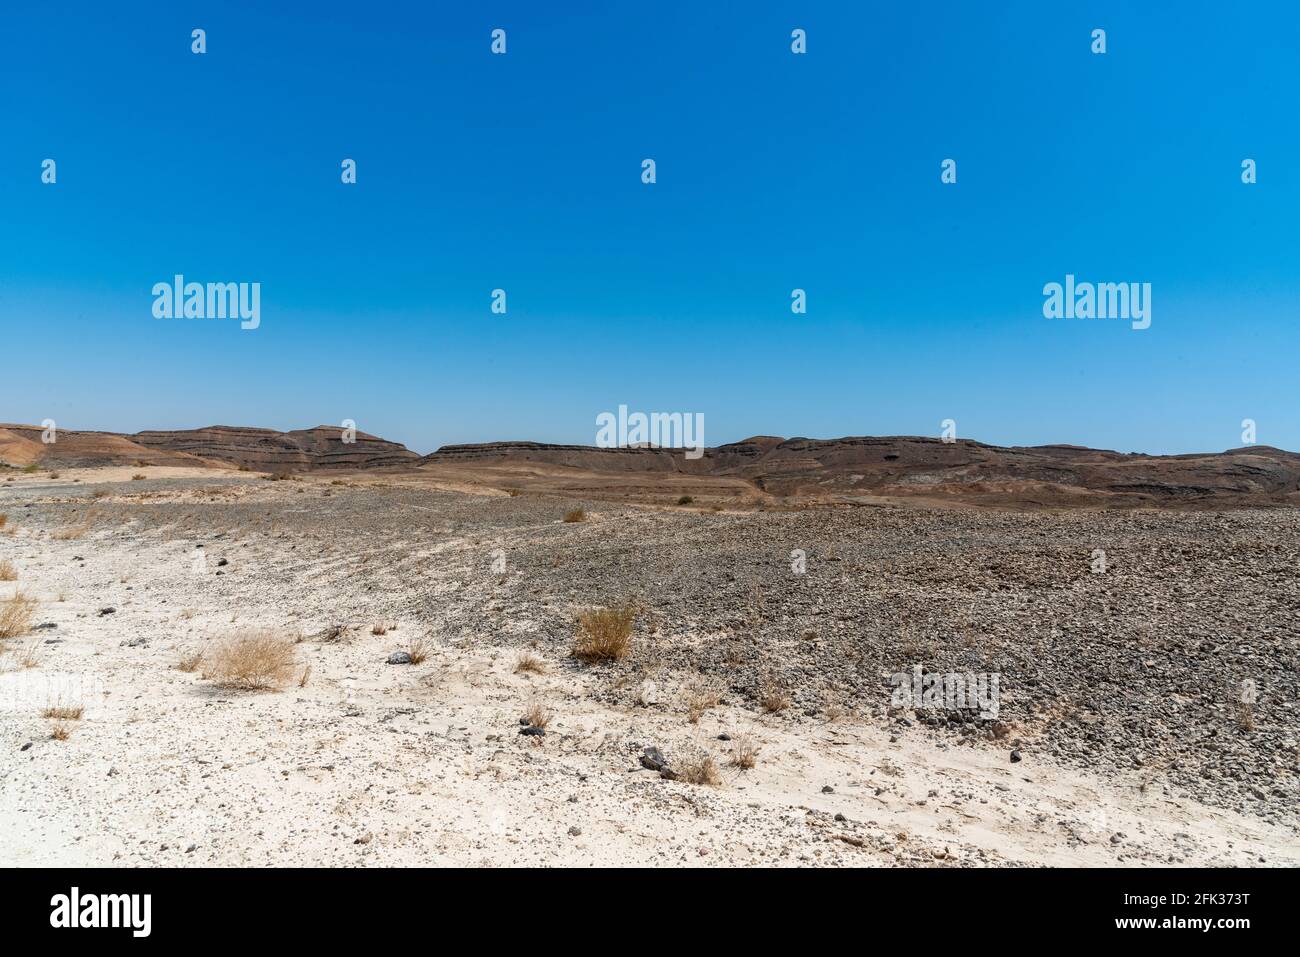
point(775, 171)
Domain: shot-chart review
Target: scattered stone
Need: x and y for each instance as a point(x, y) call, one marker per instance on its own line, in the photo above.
point(25, 746)
point(827, 789)
point(653, 759)
point(107, 610)
point(575, 831)
point(399, 658)
point(1015, 756)
point(533, 732)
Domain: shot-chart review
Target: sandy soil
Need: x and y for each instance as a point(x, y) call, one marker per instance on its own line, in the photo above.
point(370, 763)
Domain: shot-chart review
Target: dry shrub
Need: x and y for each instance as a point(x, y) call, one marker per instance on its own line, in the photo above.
point(79, 530)
point(700, 699)
point(30, 656)
point(60, 731)
point(575, 515)
point(700, 770)
point(537, 715)
point(137, 477)
point(1245, 716)
point(16, 616)
point(772, 696)
point(64, 712)
point(685, 500)
point(189, 661)
point(254, 661)
point(604, 634)
point(7, 571)
point(379, 629)
point(531, 663)
point(418, 649)
point(744, 752)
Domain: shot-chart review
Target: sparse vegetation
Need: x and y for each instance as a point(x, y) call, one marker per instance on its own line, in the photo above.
point(252, 661)
point(138, 476)
point(575, 515)
point(530, 663)
point(16, 616)
point(700, 770)
point(536, 715)
point(744, 751)
point(418, 649)
point(379, 629)
point(685, 500)
point(302, 679)
point(30, 656)
point(60, 731)
point(7, 571)
point(772, 696)
point(64, 712)
point(4, 519)
point(604, 634)
point(189, 661)
point(700, 699)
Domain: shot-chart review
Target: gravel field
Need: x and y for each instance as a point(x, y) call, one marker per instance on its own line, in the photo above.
point(1121, 733)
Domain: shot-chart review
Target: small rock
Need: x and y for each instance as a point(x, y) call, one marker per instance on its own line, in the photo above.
point(399, 658)
point(107, 610)
point(724, 737)
point(25, 746)
point(222, 562)
point(827, 789)
point(653, 759)
point(575, 831)
point(1015, 757)
point(533, 732)
point(840, 817)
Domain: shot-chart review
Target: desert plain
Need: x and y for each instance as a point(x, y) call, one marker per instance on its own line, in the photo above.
point(435, 708)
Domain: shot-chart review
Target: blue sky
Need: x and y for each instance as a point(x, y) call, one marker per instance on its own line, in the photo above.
point(775, 172)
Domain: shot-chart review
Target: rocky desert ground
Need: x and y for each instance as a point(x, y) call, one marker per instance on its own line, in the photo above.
point(434, 712)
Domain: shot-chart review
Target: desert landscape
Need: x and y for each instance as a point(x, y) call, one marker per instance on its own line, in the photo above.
point(235, 646)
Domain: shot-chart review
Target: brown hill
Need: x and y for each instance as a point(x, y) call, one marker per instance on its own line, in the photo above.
point(860, 467)
point(22, 445)
point(219, 446)
point(266, 450)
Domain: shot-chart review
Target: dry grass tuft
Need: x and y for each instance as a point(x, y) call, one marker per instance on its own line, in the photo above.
point(302, 679)
point(744, 752)
point(700, 699)
point(30, 656)
point(575, 515)
point(604, 634)
point(418, 649)
point(379, 629)
point(701, 770)
point(685, 500)
point(60, 731)
point(138, 477)
point(189, 661)
point(529, 662)
point(253, 661)
point(1245, 716)
point(772, 696)
point(7, 571)
point(64, 712)
point(537, 715)
point(16, 616)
